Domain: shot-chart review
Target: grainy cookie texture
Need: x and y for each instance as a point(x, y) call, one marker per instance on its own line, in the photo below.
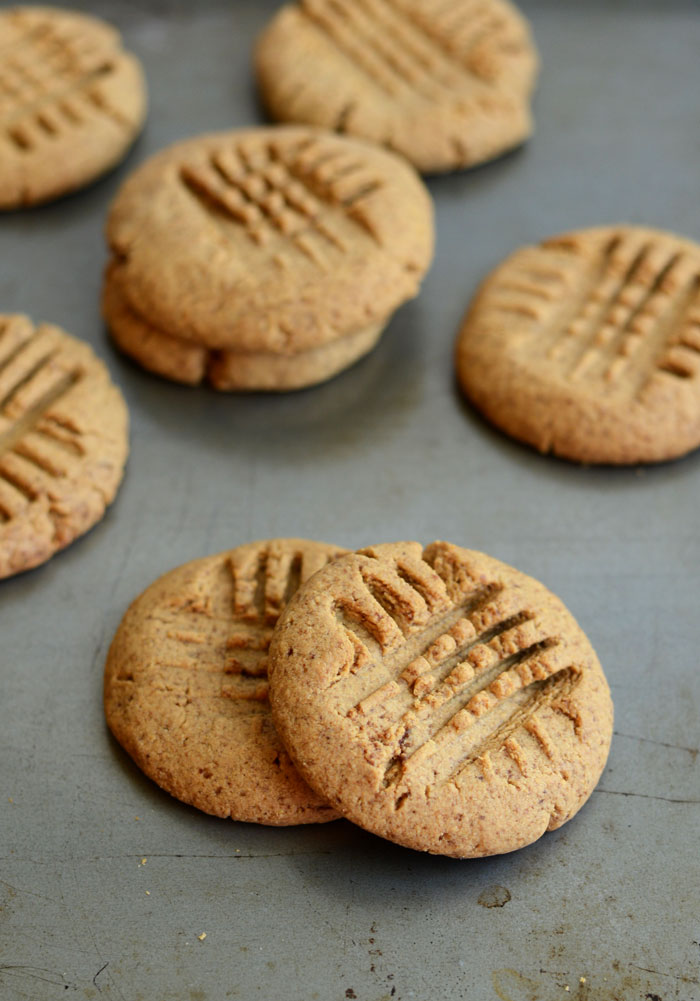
point(63, 441)
point(72, 101)
point(588, 345)
point(440, 698)
point(186, 683)
point(445, 84)
point(263, 259)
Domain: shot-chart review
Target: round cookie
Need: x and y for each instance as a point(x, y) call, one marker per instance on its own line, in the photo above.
point(188, 362)
point(63, 441)
point(72, 101)
point(186, 683)
point(264, 258)
point(446, 84)
point(440, 698)
point(588, 345)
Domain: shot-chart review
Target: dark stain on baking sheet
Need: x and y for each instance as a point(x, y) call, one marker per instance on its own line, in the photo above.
point(494, 896)
point(630, 983)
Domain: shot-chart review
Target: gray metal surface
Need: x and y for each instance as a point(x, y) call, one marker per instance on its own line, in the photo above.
point(106, 883)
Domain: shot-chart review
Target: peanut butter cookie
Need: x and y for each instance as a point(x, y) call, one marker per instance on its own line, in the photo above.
point(446, 84)
point(440, 698)
point(186, 683)
point(588, 346)
point(263, 259)
point(72, 101)
point(63, 441)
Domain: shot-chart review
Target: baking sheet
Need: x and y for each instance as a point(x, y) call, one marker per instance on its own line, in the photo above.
point(106, 883)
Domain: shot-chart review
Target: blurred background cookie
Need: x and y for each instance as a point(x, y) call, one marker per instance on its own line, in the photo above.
point(588, 345)
point(263, 259)
point(63, 441)
point(446, 84)
point(72, 101)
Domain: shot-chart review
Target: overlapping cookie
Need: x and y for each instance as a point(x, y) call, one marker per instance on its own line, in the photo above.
point(588, 345)
point(186, 683)
point(263, 259)
point(63, 441)
point(440, 698)
point(446, 84)
point(72, 101)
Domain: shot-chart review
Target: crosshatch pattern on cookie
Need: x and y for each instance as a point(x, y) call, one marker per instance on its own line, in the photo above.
point(280, 240)
point(464, 678)
point(429, 51)
point(264, 580)
point(587, 345)
point(52, 76)
point(186, 683)
point(446, 84)
point(440, 698)
point(220, 632)
point(39, 443)
point(289, 195)
point(615, 318)
point(63, 441)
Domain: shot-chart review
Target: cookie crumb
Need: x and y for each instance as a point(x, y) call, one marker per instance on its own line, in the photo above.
point(202, 936)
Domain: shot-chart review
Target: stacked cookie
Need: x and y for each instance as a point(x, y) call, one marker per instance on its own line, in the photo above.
point(436, 696)
point(264, 258)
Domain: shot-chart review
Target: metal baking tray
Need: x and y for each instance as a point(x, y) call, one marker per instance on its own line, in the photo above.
point(106, 883)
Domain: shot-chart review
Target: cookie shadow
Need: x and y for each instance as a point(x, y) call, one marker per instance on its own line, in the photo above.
point(560, 470)
point(380, 389)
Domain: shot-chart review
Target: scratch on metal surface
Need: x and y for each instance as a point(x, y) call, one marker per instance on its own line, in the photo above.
point(94, 979)
point(185, 855)
point(660, 973)
point(692, 751)
point(642, 795)
point(91, 933)
point(82, 859)
point(30, 893)
point(35, 973)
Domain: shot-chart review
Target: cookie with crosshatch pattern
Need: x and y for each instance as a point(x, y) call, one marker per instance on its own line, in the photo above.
point(186, 683)
point(72, 101)
point(63, 441)
point(447, 85)
point(440, 698)
point(264, 258)
point(587, 345)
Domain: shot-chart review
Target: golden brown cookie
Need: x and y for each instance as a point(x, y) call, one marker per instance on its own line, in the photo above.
point(188, 362)
point(72, 101)
point(445, 84)
point(588, 345)
point(265, 258)
point(186, 683)
point(440, 698)
point(63, 441)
